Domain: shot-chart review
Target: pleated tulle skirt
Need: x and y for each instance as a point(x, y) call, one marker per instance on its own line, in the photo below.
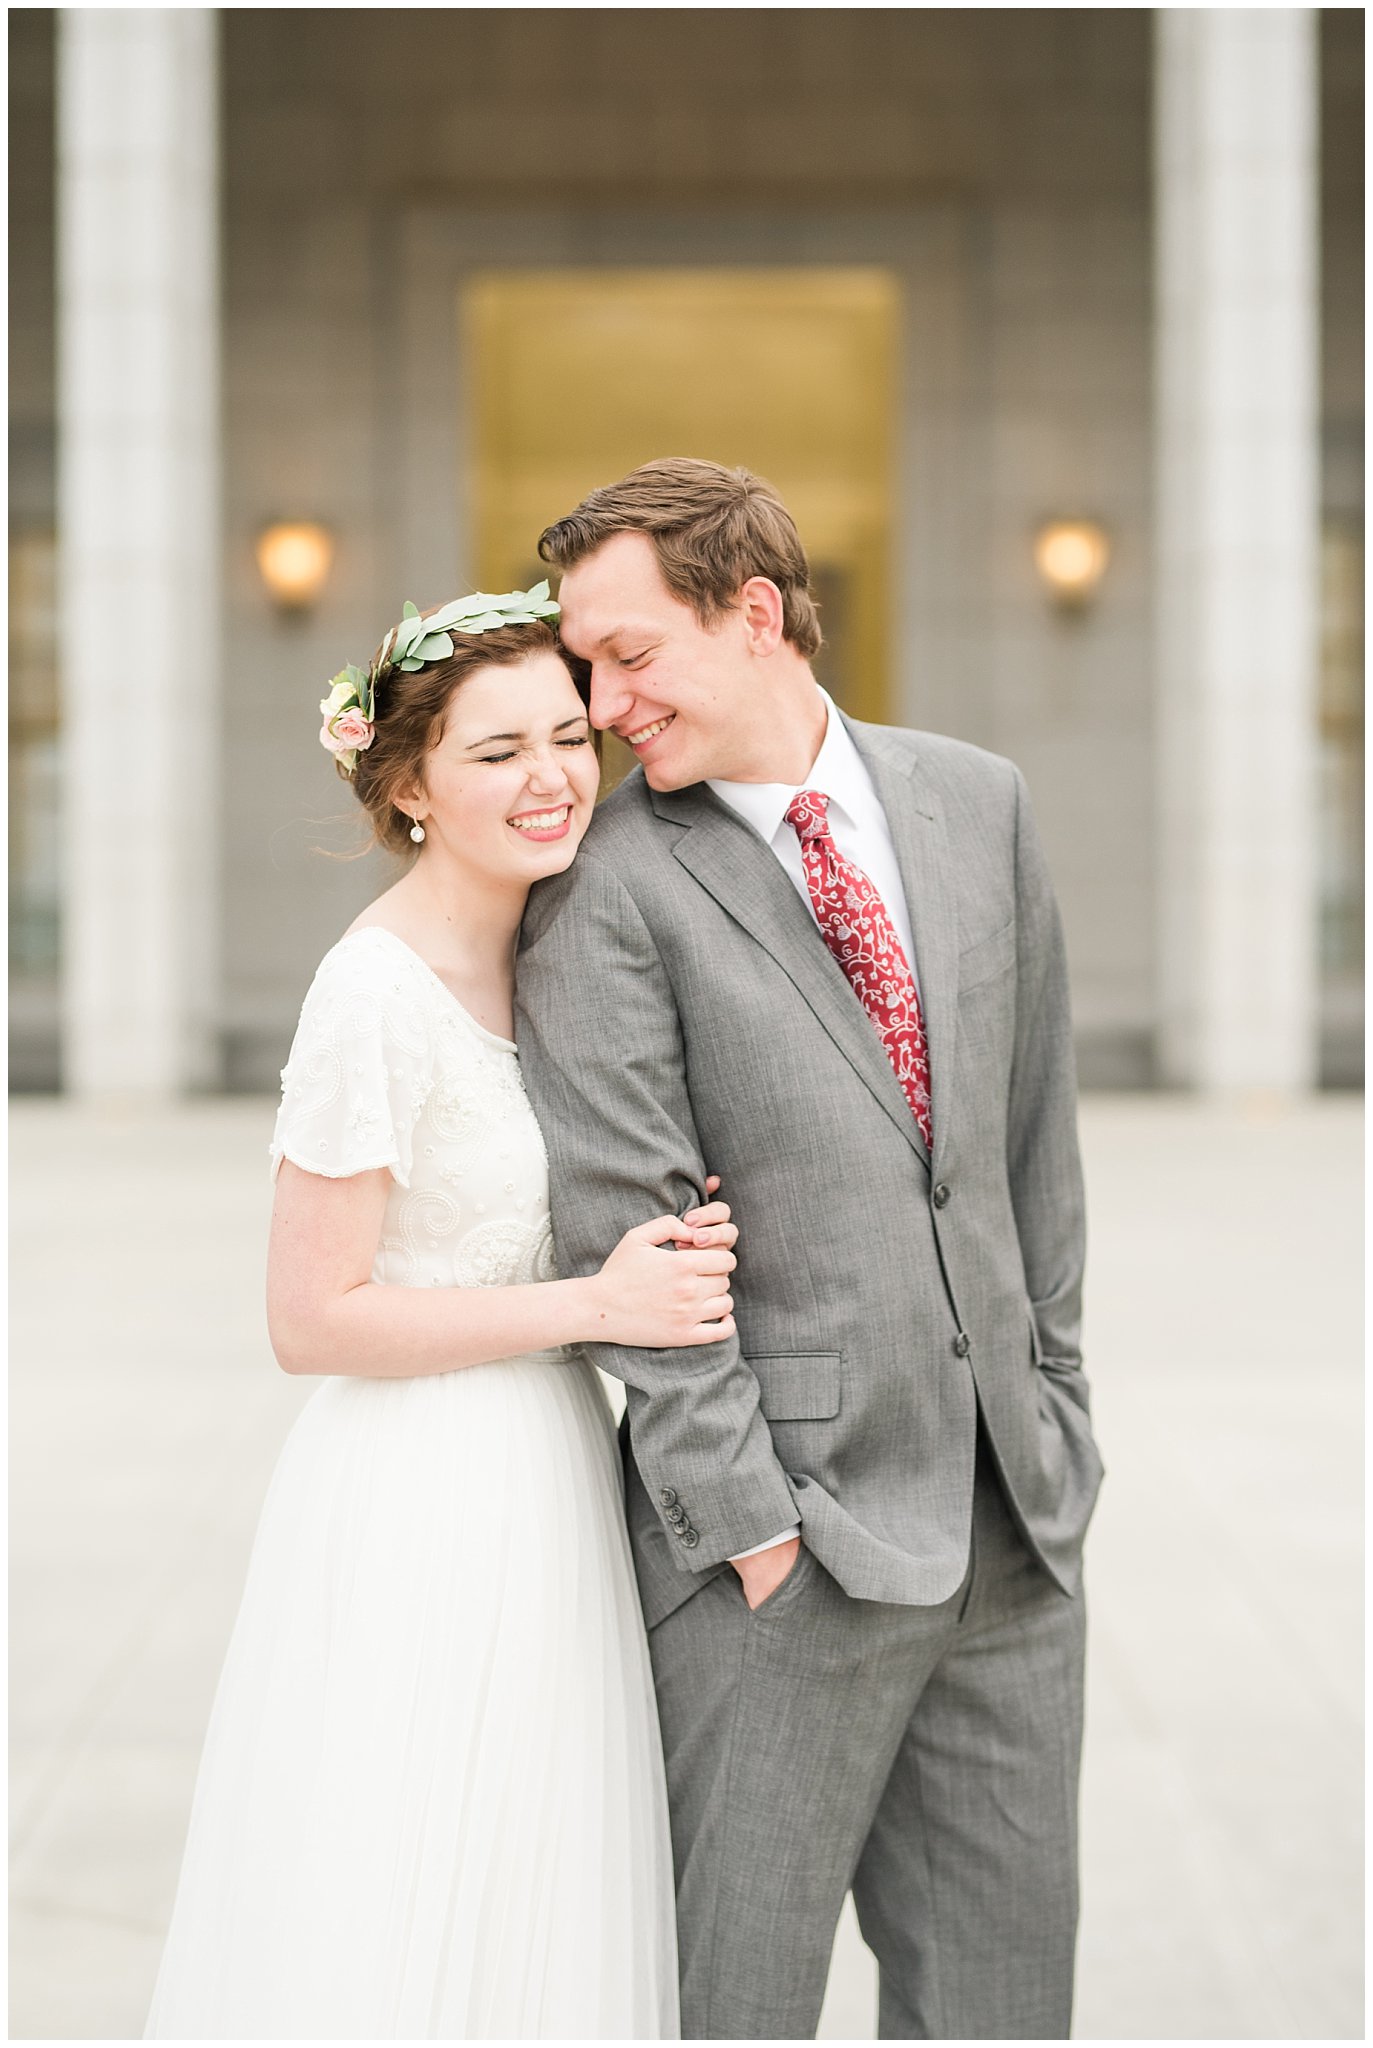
point(431, 1803)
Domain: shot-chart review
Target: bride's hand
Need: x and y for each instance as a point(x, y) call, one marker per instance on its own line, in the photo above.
point(711, 1224)
point(642, 1296)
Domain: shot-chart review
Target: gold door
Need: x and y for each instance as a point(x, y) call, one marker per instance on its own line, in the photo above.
point(577, 376)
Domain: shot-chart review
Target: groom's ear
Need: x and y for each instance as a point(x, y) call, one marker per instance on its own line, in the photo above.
point(760, 606)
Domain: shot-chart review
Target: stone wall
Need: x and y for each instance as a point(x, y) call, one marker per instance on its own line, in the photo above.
point(32, 282)
point(997, 161)
point(34, 1056)
point(1342, 258)
point(1343, 377)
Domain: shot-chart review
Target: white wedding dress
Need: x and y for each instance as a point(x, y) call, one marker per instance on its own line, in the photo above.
point(431, 1803)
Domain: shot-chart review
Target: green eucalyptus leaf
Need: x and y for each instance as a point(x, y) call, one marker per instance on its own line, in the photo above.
point(434, 647)
point(446, 616)
point(409, 666)
point(409, 610)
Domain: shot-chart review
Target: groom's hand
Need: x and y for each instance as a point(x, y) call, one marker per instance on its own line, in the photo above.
point(764, 1572)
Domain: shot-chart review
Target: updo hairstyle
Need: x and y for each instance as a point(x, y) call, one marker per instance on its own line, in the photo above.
point(410, 712)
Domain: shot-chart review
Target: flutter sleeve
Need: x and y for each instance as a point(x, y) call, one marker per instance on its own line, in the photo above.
point(360, 1069)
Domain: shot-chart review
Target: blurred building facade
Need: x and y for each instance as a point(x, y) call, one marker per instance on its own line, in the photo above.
point(422, 277)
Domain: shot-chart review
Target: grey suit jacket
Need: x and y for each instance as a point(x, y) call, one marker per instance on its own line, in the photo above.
point(677, 1013)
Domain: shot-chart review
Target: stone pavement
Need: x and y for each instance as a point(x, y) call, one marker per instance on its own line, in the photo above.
point(1223, 1793)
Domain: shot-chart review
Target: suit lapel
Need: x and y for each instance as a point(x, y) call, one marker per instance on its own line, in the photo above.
point(916, 818)
point(746, 879)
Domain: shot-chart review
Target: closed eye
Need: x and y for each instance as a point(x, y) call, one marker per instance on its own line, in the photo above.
point(494, 760)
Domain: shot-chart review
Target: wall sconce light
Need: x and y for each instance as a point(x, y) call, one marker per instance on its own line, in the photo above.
point(1071, 556)
point(294, 557)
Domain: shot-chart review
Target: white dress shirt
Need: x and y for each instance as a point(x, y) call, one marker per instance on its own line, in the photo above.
point(857, 821)
point(861, 833)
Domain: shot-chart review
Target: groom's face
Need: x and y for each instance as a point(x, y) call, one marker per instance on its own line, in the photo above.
point(674, 691)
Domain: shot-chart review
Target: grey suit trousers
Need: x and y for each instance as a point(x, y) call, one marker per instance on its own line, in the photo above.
point(927, 1757)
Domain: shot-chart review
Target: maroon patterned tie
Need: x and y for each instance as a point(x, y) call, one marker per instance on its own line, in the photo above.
point(862, 938)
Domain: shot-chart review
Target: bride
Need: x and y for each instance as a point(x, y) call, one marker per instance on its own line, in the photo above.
point(431, 1801)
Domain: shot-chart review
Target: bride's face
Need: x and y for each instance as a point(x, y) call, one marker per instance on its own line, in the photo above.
point(509, 788)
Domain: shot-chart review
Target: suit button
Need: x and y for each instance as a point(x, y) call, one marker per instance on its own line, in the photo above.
point(689, 1537)
point(941, 1195)
point(962, 1344)
point(667, 1498)
point(677, 1517)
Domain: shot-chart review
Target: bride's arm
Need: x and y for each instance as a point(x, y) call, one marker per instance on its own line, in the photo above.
point(326, 1315)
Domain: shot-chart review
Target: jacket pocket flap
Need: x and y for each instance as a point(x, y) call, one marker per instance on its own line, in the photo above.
point(800, 1386)
point(987, 958)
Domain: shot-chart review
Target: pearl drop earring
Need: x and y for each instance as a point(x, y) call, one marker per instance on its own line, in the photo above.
point(417, 832)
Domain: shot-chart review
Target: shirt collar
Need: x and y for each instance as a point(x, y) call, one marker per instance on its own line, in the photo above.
point(837, 772)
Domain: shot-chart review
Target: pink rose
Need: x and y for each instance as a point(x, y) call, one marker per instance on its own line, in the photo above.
point(349, 730)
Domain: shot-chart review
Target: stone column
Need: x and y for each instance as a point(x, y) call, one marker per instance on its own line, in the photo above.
point(138, 520)
point(1237, 544)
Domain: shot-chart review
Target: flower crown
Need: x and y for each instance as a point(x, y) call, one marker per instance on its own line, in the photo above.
point(350, 709)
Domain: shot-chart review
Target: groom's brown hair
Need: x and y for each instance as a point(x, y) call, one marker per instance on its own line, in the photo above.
point(711, 528)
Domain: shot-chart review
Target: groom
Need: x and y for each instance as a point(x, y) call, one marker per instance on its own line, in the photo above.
point(823, 959)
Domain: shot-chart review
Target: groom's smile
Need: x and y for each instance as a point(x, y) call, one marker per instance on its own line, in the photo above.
point(648, 733)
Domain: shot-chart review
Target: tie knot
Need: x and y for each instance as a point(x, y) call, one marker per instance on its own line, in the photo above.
point(808, 812)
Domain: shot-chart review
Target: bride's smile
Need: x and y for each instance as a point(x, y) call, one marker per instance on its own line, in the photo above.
point(543, 824)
